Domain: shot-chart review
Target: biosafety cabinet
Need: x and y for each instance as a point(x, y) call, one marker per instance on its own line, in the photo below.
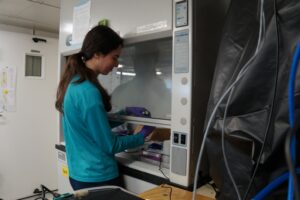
point(166, 66)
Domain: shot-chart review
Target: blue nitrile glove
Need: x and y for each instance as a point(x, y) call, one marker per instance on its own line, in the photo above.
point(146, 130)
point(137, 111)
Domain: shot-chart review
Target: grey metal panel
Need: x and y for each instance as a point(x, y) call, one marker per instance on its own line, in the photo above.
point(179, 161)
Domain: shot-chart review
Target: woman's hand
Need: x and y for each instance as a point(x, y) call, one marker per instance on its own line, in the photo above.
point(147, 130)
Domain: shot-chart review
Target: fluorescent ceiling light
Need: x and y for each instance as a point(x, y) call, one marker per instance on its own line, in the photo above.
point(126, 73)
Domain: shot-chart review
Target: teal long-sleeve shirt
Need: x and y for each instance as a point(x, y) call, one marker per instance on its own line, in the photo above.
point(90, 144)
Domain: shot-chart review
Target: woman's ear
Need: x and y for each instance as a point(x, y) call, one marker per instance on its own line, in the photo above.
point(98, 57)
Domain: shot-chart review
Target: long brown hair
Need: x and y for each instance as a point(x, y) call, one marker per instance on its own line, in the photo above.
point(100, 39)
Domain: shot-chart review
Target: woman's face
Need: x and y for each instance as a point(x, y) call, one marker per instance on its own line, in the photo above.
point(107, 62)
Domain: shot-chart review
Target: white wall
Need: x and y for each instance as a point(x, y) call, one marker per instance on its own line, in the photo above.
point(27, 138)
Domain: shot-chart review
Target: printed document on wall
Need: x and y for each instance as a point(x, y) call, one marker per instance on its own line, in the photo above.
point(7, 89)
point(81, 22)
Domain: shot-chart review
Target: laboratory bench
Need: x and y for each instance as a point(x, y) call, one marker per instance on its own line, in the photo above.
point(130, 166)
point(137, 169)
point(162, 189)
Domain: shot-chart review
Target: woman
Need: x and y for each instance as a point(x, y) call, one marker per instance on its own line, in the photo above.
point(84, 103)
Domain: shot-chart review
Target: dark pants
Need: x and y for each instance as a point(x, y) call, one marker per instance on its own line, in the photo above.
point(77, 185)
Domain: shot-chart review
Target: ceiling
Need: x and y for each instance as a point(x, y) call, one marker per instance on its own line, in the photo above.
point(40, 15)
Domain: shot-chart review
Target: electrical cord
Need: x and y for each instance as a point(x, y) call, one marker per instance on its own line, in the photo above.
point(292, 179)
point(262, 32)
point(223, 148)
point(211, 118)
point(241, 74)
point(41, 193)
point(45, 191)
point(163, 186)
point(160, 169)
point(292, 81)
point(292, 139)
point(223, 135)
point(269, 121)
point(170, 193)
point(289, 159)
point(292, 175)
point(274, 184)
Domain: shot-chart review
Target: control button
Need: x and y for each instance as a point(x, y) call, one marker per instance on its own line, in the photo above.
point(183, 121)
point(184, 81)
point(182, 139)
point(176, 138)
point(183, 101)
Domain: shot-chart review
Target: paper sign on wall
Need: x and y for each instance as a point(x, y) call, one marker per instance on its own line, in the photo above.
point(7, 89)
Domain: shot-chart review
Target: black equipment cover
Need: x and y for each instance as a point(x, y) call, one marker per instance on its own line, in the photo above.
point(257, 116)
